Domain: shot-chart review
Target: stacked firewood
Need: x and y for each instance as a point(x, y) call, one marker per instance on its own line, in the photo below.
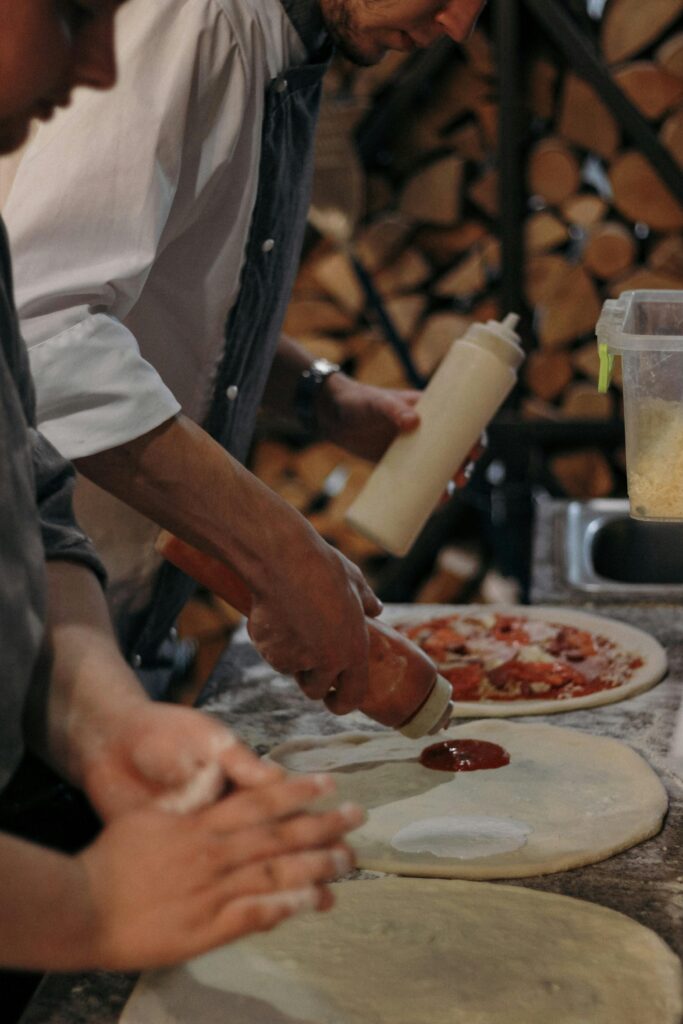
point(422, 217)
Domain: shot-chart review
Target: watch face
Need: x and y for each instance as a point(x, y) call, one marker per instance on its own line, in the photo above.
point(323, 367)
point(309, 382)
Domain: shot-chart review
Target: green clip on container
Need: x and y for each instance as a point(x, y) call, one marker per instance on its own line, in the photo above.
point(645, 328)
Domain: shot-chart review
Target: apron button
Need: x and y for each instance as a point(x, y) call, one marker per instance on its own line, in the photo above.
point(281, 85)
point(232, 392)
point(268, 245)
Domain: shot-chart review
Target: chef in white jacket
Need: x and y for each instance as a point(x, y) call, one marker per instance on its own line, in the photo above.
point(139, 228)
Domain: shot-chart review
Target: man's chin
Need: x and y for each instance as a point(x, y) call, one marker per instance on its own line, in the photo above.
point(362, 57)
point(368, 60)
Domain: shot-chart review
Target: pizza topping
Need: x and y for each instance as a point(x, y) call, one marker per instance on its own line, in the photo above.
point(511, 629)
point(465, 680)
point(573, 644)
point(498, 657)
point(444, 641)
point(533, 653)
point(534, 678)
point(464, 756)
point(438, 639)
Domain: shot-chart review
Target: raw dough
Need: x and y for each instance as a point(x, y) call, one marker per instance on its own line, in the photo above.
point(410, 951)
point(653, 669)
point(567, 798)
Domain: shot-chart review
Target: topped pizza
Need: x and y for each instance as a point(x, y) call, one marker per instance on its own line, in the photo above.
point(518, 657)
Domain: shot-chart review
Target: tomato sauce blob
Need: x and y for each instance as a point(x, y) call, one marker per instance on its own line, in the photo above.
point(464, 756)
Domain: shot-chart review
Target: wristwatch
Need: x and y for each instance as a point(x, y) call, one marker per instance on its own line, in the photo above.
point(308, 385)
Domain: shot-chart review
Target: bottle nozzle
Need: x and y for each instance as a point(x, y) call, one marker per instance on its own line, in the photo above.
point(511, 321)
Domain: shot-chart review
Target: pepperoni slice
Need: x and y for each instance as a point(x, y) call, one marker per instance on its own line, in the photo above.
point(573, 644)
point(465, 680)
point(424, 629)
point(511, 629)
point(443, 641)
point(530, 677)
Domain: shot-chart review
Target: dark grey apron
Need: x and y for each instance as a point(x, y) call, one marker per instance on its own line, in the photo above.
point(255, 322)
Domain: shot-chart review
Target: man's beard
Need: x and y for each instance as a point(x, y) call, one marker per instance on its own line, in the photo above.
point(339, 23)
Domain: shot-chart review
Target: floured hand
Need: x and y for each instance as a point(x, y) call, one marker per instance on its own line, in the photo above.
point(165, 887)
point(177, 758)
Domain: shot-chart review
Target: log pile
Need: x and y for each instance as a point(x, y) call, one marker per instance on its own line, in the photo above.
point(598, 222)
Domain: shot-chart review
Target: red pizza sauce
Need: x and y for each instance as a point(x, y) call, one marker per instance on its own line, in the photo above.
point(503, 657)
point(464, 756)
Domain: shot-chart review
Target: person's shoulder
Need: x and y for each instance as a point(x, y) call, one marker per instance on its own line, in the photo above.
point(239, 13)
point(189, 22)
point(185, 19)
point(250, 25)
point(249, 17)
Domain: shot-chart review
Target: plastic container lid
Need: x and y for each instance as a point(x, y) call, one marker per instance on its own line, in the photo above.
point(638, 321)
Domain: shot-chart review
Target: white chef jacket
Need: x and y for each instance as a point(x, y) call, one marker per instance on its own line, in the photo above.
point(128, 218)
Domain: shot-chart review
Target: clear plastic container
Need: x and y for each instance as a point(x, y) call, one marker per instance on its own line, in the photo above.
point(645, 328)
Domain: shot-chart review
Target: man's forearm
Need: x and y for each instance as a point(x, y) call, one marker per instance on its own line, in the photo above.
point(46, 922)
point(182, 479)
point(302, 589)
point(83, 685)
point(290, 362)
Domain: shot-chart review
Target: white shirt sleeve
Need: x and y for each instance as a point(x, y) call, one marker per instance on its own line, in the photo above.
point(95, 203)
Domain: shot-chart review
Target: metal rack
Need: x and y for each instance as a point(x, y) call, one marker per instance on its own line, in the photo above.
point(522, 447)
point(564, 31)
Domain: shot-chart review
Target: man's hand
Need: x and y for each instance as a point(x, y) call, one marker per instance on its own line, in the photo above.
point(308, 620)
point(157, 887)
point(362, 418)
point(365, 419)
point(309, 602)
point(88, 716)
point(176, 758)
point(165, 887)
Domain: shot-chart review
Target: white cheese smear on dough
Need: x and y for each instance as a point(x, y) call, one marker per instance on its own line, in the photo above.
point(464, 837)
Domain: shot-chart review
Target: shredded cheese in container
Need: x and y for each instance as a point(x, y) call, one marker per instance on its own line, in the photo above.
point(654, 453)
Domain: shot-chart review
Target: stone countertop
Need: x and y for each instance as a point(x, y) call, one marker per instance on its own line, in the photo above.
point(645, 882)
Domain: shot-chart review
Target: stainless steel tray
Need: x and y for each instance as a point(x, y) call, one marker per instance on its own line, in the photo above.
point(607, 552)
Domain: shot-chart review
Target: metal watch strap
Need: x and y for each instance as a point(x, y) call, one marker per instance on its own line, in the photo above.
point(307, 388)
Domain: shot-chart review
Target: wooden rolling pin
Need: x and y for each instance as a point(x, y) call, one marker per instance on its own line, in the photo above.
point(405, 691)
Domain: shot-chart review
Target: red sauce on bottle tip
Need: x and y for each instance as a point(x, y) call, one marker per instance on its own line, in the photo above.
point(464, 756)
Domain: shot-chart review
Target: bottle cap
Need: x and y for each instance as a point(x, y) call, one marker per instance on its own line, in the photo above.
point(432, 712)
point(508, 326)
point(500, 338)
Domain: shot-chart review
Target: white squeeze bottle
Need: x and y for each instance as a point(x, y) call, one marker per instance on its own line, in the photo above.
point(469, 386)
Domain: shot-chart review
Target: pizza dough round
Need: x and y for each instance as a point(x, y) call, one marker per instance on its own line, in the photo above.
point(412, 951)
point(643, 645)
point(566, 798)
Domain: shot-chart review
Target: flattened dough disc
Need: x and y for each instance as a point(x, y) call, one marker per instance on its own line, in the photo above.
point(414, 951)
point(567, 798)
